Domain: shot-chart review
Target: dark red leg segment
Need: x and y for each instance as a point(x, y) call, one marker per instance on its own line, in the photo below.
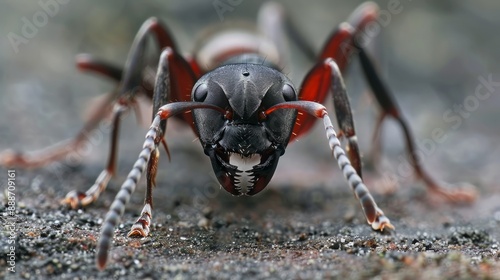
point(131, 78)
point(131, 81)
point(76, 199)
point(87, 62)
point(325, 77)
point(390, 108)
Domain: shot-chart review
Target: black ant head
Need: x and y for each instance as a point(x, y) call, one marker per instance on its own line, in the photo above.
point(244, 133)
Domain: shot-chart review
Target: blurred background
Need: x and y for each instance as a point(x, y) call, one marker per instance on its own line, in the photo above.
point(432, 54)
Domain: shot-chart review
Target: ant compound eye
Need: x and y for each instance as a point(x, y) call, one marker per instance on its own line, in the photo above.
point(200, 93)
point(289, 93)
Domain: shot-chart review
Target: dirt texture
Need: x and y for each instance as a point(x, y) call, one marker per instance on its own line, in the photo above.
point(306, 224)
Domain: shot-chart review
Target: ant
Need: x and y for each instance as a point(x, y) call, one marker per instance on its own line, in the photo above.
point(240, 105)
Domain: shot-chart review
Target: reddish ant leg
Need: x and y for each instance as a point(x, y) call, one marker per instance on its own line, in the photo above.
point(390, 108)
point(62, 149)
point(123, 98)
point(131, 79)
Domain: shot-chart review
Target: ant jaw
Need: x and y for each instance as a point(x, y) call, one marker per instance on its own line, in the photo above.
point(247, 182)
point(244, 179)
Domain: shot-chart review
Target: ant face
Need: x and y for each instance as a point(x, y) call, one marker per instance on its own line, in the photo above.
point(244, 91)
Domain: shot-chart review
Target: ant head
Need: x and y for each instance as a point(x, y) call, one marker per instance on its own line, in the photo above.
point(244, 91)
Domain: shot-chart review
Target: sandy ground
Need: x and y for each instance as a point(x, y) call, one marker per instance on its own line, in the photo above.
point(306, 224)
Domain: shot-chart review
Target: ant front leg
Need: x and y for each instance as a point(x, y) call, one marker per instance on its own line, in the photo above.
point(323, 78)
point(149, 156)
point(174, 81)
point(161, 97)
point(374, 215)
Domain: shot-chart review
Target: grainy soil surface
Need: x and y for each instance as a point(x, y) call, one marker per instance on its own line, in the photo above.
point(306, 224)
point(288, 233)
